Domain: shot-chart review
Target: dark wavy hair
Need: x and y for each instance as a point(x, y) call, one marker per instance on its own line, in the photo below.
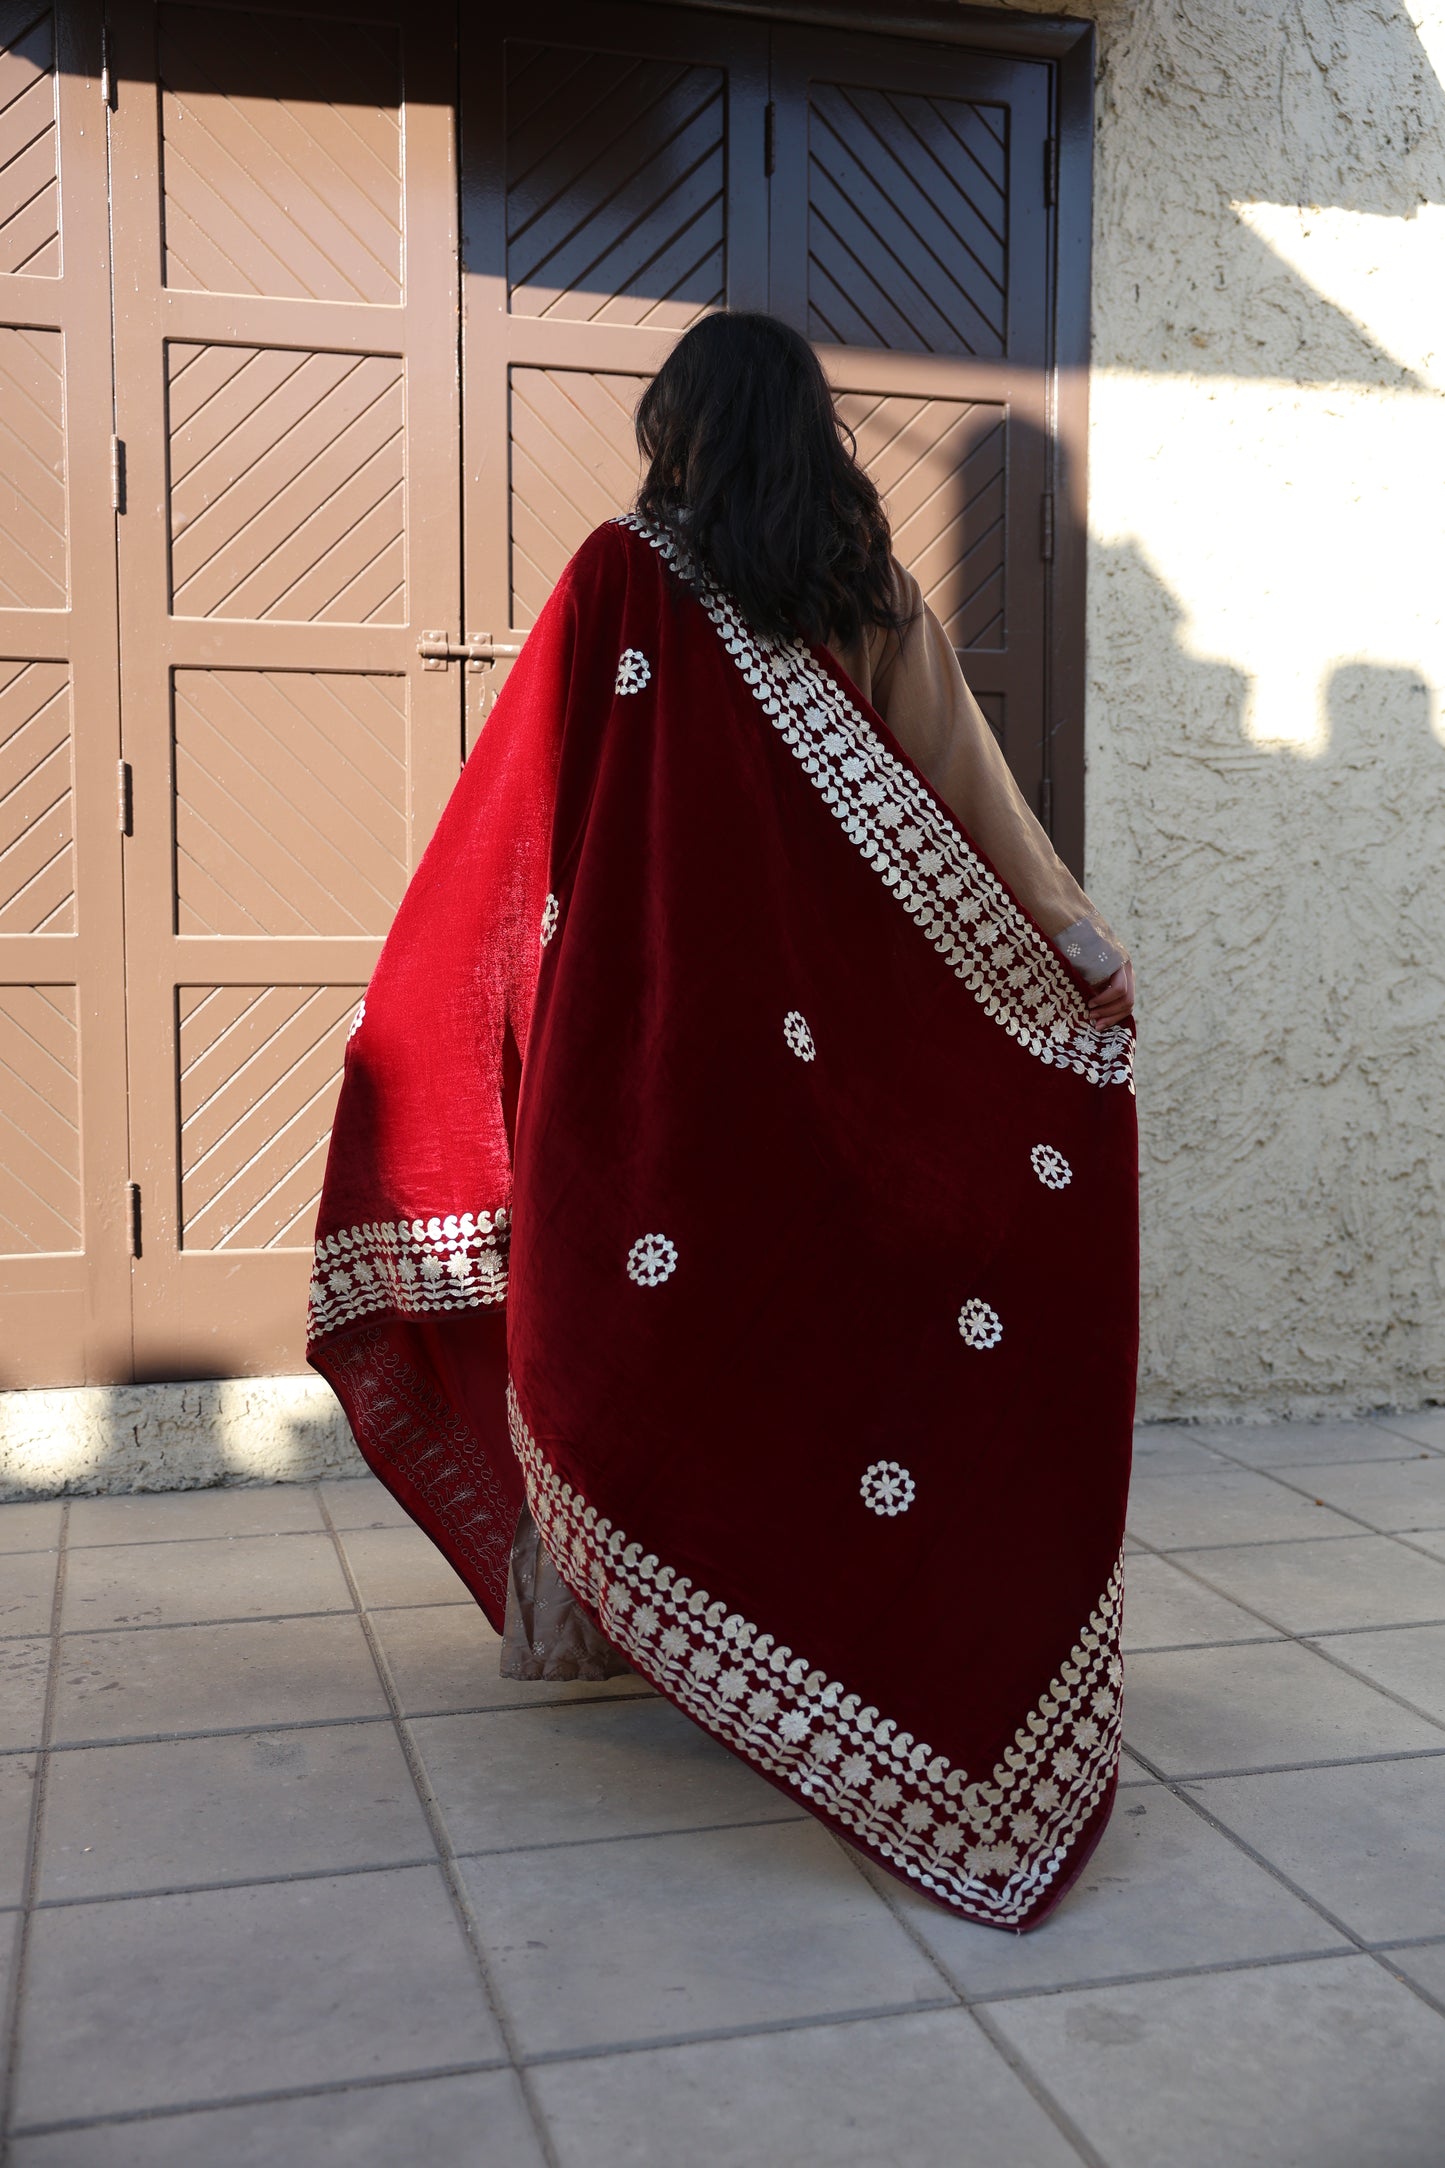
point(748, 463)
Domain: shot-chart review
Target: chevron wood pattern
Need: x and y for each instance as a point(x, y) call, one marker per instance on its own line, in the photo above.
point(574, 463)
point(287, 473)
point(615, 180)
point(37, 836)
point(940, 465)
point(39, 1120)
point(907, 232)
point(29, 178)
point(281, 154)
point(33, 569)
point(290, 801)
point(260, 1067)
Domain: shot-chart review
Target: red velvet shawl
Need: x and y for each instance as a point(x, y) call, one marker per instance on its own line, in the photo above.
point(713, 1090)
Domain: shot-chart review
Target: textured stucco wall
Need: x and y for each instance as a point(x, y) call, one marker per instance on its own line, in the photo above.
point(85, 1439)
point(1266, 657)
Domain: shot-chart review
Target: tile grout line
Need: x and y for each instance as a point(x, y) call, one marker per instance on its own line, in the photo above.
point(30, 1886)
point(1300, 1641)
point(1033, 2085)
point(1331, 1919)
point(446, 1856)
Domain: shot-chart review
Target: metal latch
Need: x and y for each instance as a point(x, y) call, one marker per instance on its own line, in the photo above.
point(477, 651)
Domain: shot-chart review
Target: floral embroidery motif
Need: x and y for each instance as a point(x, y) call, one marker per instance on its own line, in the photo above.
point(633, 671)
point(890, 815)
point(888, 1488)
point(989, 1846)
point(411, 1267)
point(1051, 1167)
point(798, 1036)
point(551, 912)
point(357, 1021)
point(980, 1326)
point(651, 1260)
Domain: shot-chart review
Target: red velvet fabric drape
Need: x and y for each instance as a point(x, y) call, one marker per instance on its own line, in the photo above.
point(712, 1087)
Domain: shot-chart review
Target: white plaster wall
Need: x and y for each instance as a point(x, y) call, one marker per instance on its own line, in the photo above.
point(1266, 657)
point(83, 1439)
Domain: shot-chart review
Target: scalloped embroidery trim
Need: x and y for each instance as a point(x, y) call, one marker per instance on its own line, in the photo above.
point(411, 1267)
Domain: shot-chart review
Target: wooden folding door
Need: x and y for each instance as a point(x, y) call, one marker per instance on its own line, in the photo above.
point(287, 399)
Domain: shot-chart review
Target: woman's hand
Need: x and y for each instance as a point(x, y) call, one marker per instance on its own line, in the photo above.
point(1114, 1000)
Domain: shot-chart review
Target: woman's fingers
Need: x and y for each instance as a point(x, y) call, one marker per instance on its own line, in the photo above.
point(1114, 1000)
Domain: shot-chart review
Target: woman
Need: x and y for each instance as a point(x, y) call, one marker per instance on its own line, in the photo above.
point(742, 1033)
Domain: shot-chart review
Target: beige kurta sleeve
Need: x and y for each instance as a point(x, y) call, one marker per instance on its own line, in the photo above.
point(914, 681)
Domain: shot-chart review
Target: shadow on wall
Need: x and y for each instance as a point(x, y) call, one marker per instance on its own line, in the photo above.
point(1280, 1076)
point(92, 1440)
point(1205, 104)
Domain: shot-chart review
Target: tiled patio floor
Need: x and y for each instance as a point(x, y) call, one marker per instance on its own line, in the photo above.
point(303, 1883)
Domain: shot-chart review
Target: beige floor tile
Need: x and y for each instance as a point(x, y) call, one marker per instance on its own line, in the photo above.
point(1396, 1494)
point(24, 1668)
point(1211, 1711)
point(30, 1525)
point(1165, 1607)
point(1408, 1660)
point(539, 1776)
point(27, 1592)
point(1328, 2064)
point(401, 1566)
point(444, 1656)
point(648, 1938)
point(1164, 1892)
point(1425, 1966)
point(215, 1678)
point(478, 2121)
point(243, 1509)
point(1367, 1842)
point(1427, 1428)
point(1169, 1448)
point(927, 2090)
point(141, 1584)
point(1313, 1587)
point(1291, 1445)
point(156, 2000)
point(362, 1502)
point(173, 1813)
point(1220, 1504)
point(17, 1797)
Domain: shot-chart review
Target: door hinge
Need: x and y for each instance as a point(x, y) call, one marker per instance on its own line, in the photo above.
point(437, 649)
point(125, 800)
point(1051, 170)
point(117, 475)
point(107, 84)
point(770, 133)
point(132, 1219)
point(1046, 527)
point(1046, 805)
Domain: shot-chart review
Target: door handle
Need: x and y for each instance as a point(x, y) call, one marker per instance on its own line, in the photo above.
point(478, 652)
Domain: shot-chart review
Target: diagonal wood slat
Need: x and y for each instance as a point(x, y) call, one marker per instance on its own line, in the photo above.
point(287, 475)
point(941, 467)
point(33, 546)
point(40, 1203)
point(906, 223)
point(281, 156)
point(615, 188)
point(259, 1071)
point(290, 801)
point(574, 464)
point(29, 172)
point(37, 814)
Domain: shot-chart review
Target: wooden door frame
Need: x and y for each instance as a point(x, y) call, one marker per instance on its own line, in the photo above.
point(1068, 45)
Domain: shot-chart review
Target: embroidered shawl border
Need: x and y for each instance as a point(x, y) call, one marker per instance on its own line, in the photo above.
point(409, 1267)
point(988, 1847)
point(894, 820)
